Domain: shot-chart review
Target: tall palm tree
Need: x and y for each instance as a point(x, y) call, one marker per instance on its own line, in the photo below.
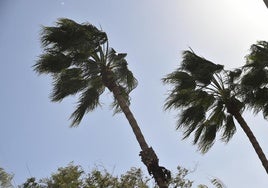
point(210, 98)
point(80, 61)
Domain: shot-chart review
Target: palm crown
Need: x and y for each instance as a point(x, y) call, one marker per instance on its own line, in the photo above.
point(202, 89)
point(211, 97)
point(80, 61)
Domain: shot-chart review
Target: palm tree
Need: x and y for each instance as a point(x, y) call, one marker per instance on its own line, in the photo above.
point(210, 98)
point(80, 61)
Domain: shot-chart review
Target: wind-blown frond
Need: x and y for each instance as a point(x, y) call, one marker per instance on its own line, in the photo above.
point(69, 36)
point(68, 82)
point(52, 63)
point(88, 101)
point(229, 129)
point(178, 99)
point(254, 82)
point(256, 67)
point(207, 137)
point(258, 57)
point(182, 80)
point(199, 67)
point(255, 78)
point(119, 66)
point(191, 115)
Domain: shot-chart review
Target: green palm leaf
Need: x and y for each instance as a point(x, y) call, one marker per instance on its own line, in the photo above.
point(182, 79)
point(229, 129)
point(255, 79)
point(68, 82)
point(88, 101)
point(207, 137)
point(52, 63)
point(119, 66)
point(199, 67)
point(69, 36)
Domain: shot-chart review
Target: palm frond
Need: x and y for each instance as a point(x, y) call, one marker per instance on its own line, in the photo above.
point(68, 82)
point(257, 100)
point(208, 136)
point(88, 101)
point(217, 115)
point(91, 69)
point(178, 98)
point(255, 78)
point(199, 132)
point(200, 68)
point(229, 129)
point(258, 57)
point(203, 98)
point(52, 63)
point(256, 67)
point(191, 115)
point(254, 83)
point(68, 36)
point(119, 66)
point(181, 79)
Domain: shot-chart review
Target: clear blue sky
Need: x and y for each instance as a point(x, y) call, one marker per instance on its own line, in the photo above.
point(35, 138)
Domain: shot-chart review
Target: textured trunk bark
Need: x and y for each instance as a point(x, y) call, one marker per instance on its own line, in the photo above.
point(252, 139)
point(130, 117)
point(148, 156)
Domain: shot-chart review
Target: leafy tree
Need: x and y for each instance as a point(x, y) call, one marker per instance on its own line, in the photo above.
point(66, 177)
point(31, 183)
point(5, 179)
point(80, 61)
point(210, 98)
point(75, 176)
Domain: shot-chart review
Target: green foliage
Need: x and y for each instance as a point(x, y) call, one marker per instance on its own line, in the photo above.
point(179, 178)
point(209, 97)
point(5, 179)
point(201, 69)
point(31, 183)
point(255, 79)
point(73, 176)
point(69, 176)
point(207, 94)
point(80, 61)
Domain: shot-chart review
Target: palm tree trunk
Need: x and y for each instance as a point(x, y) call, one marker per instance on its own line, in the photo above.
point(252, 139)
point(148, 156)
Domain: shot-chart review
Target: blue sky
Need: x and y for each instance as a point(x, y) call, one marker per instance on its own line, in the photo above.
point(35, 138)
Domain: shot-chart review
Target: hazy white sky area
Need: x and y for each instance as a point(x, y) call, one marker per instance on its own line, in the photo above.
point(35, 138)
